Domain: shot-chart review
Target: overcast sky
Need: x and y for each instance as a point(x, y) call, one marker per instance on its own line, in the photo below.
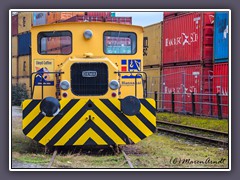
point(143, 18)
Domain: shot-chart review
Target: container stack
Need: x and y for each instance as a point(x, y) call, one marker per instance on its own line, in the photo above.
point(99, 17)
point(187, 53)
point(24, 49)
point(21, 37)
point(55, 17)
point(221, 59)
point(152, 59)
point(14, 48)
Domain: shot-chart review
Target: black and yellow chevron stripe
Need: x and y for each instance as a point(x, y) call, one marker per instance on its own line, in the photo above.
point(88, 122)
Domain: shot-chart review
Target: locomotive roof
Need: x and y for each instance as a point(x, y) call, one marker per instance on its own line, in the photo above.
point(107, 24)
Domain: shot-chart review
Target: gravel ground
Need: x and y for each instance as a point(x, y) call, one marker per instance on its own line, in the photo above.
point(18, 164)
point(17, 112)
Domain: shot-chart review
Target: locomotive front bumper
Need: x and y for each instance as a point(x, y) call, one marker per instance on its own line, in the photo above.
point(89, 121)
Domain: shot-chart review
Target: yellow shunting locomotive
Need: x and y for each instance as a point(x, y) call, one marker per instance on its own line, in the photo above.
point(87, 86)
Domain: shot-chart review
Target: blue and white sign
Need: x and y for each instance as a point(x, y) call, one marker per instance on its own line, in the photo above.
point(134, 65)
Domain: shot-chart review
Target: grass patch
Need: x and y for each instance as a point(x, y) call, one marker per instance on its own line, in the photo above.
point(195, 121)
point(163, 151)
point(34, 158)
point(90, 161)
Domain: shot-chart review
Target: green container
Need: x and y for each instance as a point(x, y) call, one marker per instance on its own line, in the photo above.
point(113, 14)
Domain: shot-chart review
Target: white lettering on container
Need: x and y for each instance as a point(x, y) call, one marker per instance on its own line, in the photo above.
point(184, 39)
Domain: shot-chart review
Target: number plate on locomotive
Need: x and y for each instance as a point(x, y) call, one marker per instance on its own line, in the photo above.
point(89, 74)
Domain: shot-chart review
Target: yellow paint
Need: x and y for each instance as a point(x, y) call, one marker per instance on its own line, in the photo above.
point(105, 128)
point(39, 127)
point(90, 134)
point(88, 51)
point(118, 122)
point(84, 119)
point(71, 131)
point(64, 120)
point(145, 112)
point(136, 121)
point(94, 46)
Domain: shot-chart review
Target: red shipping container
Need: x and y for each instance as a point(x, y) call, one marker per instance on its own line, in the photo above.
point(120, 20)
point(188, 38)
point(168, 14)
point(220, 85)
point(14, 25)
point(183, 80)
point(98, 14)
point(85, 19)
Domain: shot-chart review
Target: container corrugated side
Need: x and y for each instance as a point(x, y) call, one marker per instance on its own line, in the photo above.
point(14, 67)
point(84, 18)
point(53, 17)
point(188, 38)
point(221, 86)
point(24, 43)
point(78, 13)
point(14, 45)
point(120, 20)
point(221, 37)
point(153, 83)
point(14, 25)
point(39, 18)
point(154, 53)
point(98, 14)
point(24, 66)
point(168, 14)
point(14, 81)
point(24, 21)
point(184, 80)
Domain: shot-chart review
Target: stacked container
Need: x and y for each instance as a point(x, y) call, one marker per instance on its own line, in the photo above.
point(21, 43)
point(25, 22)
point(39, 18)
point(54, 17)
point(221, 59)
point(152, 59)
point(97, 14)
point(14, 48)
point(120, 20)
point(168, 14)
point(187, 48)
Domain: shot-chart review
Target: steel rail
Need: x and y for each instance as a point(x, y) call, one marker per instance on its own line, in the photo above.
point(193, 128)
point(52, 159)
point(215, 141)
point(127, 158)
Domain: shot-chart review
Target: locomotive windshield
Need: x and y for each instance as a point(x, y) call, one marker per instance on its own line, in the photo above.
point(116, 42)
point(55, 42)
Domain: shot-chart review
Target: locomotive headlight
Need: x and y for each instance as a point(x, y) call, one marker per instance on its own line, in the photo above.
point(88, 34)
point(114, 85)
point(64, 85)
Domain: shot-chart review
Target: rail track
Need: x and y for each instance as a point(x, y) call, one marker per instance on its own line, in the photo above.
point(206, 135)
point(126, 158)
point(117, 150)
point(52, 159)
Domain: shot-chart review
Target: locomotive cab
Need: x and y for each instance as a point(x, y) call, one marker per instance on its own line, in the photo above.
point(88, 87)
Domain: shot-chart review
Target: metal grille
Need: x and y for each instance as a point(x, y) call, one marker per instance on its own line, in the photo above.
point(89, 79)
